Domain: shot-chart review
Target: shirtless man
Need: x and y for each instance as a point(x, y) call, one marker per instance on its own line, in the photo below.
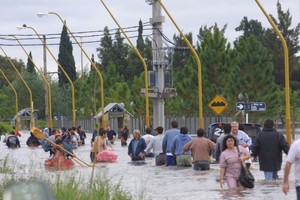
point(99, 144)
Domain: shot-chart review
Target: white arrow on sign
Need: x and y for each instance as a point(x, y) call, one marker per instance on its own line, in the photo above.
point(240, 106)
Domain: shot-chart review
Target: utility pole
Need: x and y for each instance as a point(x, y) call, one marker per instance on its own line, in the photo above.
point(158, 92)
point(46, 89)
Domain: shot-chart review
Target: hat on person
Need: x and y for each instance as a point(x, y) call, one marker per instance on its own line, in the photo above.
point(46, 130)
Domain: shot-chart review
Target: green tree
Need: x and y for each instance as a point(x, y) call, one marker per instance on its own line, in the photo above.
point(181, 51)
point(30, 64)
point(216, 67)
point(251, 28)
point(291, 35)
point(135, 66)
point(66, 59)
point(7, 108)
point(61, 101)
point(184, 76)
point(119, 53)
point(186, 84)
point(253, 75)
point(137, 102)
point(105, 50)
point(8, 69)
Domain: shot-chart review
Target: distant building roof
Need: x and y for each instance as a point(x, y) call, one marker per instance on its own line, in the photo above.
point(113, 107)
point(23, 114)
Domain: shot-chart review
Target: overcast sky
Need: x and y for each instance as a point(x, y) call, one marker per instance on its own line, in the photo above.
point(83, 15)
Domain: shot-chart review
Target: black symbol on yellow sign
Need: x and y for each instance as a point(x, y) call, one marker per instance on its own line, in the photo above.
point(218, 104)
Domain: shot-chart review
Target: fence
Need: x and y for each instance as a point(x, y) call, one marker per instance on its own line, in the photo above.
point(192, 123)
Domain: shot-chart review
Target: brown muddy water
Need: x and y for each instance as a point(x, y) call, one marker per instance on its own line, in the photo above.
point(144, 181)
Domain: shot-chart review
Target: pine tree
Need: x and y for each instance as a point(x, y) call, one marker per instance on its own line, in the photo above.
point(214, 53)
point(66, 59)
point(253, 75)
point(291, 36)
point(105, 49)
point(140, 40)
point(135, 66)
point(181, 51)
point(30, 64)
point(120, 53)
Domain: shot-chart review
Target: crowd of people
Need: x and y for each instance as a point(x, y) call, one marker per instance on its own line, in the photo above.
point(175, 147)
point(232, 149)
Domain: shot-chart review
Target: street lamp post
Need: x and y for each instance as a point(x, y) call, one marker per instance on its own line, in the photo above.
point(286, 74)
point(92, 63)
point(62, 69)
point(198, 64)
point(45, 80)
point(142, 60)
point(16, 97)
point(29, 90)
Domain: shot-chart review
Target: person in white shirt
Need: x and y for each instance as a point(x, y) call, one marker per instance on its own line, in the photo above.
point(292, 158)
point(147, 137)
point(242, 138)
point(155, 144)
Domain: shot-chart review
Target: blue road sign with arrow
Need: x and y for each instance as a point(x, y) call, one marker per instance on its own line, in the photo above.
point(251, 106)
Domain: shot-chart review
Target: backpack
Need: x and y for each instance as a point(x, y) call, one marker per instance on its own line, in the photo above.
point(12, 141)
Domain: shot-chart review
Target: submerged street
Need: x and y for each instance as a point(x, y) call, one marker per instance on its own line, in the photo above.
point(144, 181)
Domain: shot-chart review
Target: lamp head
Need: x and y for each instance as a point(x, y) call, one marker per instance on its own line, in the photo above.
point(41, 14)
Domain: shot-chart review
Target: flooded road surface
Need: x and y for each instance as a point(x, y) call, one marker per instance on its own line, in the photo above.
point(145, 181)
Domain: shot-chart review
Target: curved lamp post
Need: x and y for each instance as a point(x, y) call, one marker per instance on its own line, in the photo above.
point(16, 96)
point(29, 90)
point(93, 64)
point(198, 64)
point(286, 75)
point(141, 58)
point(45, 80)
point(62, 69)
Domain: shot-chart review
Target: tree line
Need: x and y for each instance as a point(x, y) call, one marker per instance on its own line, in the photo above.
point(252, 64)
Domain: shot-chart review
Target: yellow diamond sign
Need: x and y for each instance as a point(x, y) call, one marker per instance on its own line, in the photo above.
point(218, 104)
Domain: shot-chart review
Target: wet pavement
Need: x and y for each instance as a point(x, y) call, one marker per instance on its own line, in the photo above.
point(145, 181)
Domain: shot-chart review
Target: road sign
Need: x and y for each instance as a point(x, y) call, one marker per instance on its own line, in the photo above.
point(218, 104)
point(240, 106)
point(251, 106)
point(258, 106)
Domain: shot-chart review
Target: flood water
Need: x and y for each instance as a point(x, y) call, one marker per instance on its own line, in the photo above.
point(146, 181)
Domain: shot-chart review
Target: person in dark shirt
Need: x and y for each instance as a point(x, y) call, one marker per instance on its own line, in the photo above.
point(124, 136)
point(33, 141)
point(81, 134)
point(268, 146)
point(12, 141)
point(111, 134)
point(136, 147)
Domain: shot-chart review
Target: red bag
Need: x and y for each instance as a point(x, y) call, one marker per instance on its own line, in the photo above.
point(106, 156)
point(58, 162)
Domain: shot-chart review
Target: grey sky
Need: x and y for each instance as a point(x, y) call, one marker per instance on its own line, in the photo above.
point(81, 15)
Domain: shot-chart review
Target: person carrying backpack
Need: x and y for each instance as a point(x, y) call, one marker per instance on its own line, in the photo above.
point(12, 141)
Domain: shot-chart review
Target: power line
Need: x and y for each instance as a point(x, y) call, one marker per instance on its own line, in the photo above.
point(80, 34)
point(55, 44)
